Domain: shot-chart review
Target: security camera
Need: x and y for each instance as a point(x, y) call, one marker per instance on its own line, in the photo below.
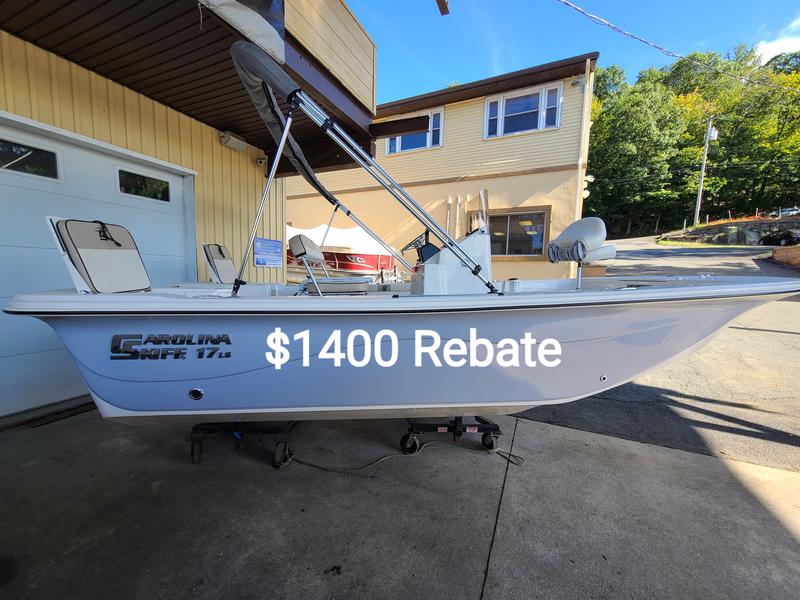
point(261, 161)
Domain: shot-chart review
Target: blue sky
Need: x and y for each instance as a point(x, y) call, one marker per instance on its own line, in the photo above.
point(420, 51)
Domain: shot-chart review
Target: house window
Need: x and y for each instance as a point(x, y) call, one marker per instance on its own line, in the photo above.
point(143, 186)
point(530, 110)
point(419, 140)
point(23, 158)
point(521, 113)
point(518, 234)
point(551, 108)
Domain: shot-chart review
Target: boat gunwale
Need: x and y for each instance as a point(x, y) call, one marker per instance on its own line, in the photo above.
point(400, 311)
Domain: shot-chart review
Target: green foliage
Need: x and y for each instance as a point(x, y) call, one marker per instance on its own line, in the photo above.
point(608, 81)
point(647, 140)
point(785, 63)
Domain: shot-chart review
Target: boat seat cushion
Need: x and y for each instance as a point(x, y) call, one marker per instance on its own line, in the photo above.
point(105, 256)
point(606, 252)
point(582, 241)
point(220, 263)
point(302, 246)
point(339, 285)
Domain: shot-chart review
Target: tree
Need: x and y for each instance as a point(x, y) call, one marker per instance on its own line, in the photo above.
point(634, 136)
point(786, 63)
point(647, 140)
point(608, 81)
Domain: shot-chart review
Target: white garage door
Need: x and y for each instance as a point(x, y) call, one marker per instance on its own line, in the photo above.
point(43, 175)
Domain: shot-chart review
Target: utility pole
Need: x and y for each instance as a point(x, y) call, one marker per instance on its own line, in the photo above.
point(711, 134)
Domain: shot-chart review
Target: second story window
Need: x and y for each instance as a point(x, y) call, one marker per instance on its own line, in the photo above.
point(528, 110)
point(419, 140)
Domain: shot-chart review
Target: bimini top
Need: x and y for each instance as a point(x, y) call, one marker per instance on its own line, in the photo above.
point(263, 78)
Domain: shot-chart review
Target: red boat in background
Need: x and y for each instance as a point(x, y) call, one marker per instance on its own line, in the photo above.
point(348, 252)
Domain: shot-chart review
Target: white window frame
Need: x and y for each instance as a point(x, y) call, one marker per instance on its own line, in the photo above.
point(428, 146)
point(501, 110)
point(38, 146)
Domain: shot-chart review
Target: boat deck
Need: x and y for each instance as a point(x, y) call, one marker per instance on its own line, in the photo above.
point(390, 298)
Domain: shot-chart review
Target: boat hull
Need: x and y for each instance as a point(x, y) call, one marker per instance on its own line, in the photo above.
point(602, 347)
point(343, 264)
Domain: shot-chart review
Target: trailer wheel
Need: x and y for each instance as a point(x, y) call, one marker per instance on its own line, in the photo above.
point(409, 444)
point(283, 455)
point(489, 441)
point(197, 451)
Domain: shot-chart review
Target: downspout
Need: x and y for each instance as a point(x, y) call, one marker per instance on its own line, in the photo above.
point(588, 85)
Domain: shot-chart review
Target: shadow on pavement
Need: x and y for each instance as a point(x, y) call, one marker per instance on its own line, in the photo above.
point(670, 418)
point(95, 509)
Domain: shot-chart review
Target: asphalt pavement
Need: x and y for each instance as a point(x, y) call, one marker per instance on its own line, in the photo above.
point(737, 397)
point(681, 484)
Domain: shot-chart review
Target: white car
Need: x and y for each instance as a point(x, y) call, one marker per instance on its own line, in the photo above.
point(785, 212)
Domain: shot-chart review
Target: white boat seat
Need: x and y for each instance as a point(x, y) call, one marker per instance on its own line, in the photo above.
point(303, 247)
point(582, 242)
point(309, 253)
point(220, 263)
point(340, 285)
point(103, 255)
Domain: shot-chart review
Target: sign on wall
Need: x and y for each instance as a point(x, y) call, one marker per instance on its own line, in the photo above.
point(267, 253)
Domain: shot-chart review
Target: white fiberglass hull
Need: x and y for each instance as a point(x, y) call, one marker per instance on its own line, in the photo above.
point(608, 335)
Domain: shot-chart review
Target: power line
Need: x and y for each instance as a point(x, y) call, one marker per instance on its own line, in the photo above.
point(670, 53)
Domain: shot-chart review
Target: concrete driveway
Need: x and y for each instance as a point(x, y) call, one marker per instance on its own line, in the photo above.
point(682, 484)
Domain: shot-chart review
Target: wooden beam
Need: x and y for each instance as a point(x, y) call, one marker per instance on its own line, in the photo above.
point(323, 154)
point(399, 127)
point(443, 8)
point(325, 88)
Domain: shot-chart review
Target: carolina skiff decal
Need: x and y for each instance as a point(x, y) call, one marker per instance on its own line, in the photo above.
point(157, 346)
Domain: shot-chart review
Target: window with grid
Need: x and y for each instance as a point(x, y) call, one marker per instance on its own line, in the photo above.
point(528, 111)
point(420, 139)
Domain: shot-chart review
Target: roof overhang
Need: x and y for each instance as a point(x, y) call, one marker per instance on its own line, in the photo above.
point(178, 55)
point(553, 71)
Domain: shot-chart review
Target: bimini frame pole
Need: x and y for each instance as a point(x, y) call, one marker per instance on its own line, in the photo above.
point(399, 257)
point(239, 282)
point(357, 153)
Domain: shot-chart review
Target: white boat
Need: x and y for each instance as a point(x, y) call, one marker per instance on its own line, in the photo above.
point(453, 342)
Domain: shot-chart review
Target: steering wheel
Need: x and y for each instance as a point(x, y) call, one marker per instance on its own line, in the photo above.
point(422, 245)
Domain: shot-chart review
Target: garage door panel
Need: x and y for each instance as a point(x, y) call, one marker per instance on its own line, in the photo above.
point(24, 335)
point(162, 269)
point(83, 188)
point(36, 252)
point(38, 379)
point(26, 211)
point(25, 270)
point(92, 171)
point(34, 367)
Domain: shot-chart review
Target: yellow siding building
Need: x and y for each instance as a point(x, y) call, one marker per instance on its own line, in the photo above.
point(41, 86)
point(115, 112)
point(537, 171)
